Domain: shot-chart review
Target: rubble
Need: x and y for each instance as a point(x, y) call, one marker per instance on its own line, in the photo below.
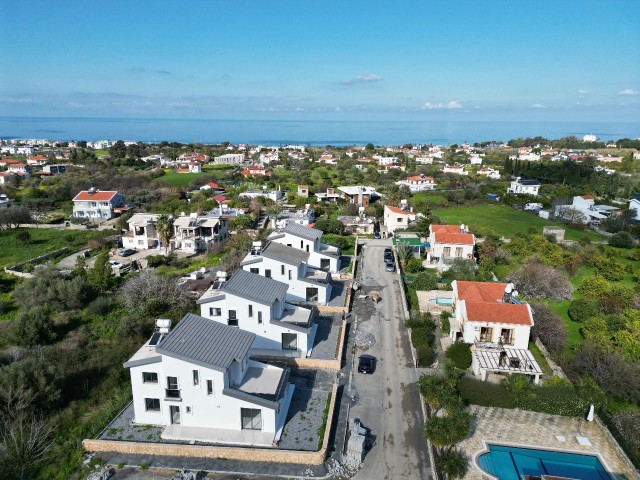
point(103, 474)
point(364, 340)
point(185, 475)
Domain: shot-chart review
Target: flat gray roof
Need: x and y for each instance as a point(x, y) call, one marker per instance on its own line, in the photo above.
point(302, 231)
point(282, 253)
point(206, 342)
point(255, 287)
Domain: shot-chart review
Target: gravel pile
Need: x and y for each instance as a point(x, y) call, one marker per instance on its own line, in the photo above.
point(364, 340)
point(346, 469)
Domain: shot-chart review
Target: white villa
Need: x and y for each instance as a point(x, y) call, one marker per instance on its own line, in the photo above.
point(199, 382)
point(583, 209)
point(322, 256)
point(142, 233)
point(258, 305)
point(290, 265)
point(195, 233)
point(274, 195)
point(418, 183)
point(489, 316)
point(229, 159)
point(489, 173)
point(455, 169)
point(397, 218)
point(448, 242)
point(5, 202)
point(97, 205)
point(522, 186)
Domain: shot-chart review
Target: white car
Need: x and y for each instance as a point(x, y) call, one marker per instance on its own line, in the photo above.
point(115, 264)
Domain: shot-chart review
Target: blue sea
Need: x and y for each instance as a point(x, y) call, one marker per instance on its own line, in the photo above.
point(312, 132)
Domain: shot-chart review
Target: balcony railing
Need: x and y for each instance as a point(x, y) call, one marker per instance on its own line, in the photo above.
point(172, 393)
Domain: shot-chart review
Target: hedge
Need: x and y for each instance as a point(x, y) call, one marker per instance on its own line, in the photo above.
point(460, 354)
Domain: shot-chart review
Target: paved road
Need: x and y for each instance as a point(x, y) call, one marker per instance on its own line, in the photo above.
point(388, 401)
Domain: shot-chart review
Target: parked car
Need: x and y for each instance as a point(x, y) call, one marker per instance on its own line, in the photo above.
point(126, 252)
point(377, 235)
point(391, 267)
point(366, 364)
point(115, 264)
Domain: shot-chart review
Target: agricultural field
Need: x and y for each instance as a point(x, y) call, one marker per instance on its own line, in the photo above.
point(506, 221)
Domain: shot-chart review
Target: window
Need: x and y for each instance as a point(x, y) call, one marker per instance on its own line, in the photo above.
point(152, 404)
point(289, 274)
point(149, 377)
point(301, 244)
point(399, 219)
point(188, 409)
point(307, 248)
point(281, 269)
point(312, 294)
point(325, 263)
point(267, 273)
point(215, 312)
point(259, 317)
point(506, 335)
point(255, 270)
point(172, 383)
point(446, 251)
point(289, 341)
point(289, 245)
point(232, 320)
point(486, 334)
point(251, 310)
point(209, 387)
point(458, 251)
point(196, 377)
point(251, 418)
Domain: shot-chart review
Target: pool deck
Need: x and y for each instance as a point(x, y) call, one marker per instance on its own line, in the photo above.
point(425, 297)
point(521, 428)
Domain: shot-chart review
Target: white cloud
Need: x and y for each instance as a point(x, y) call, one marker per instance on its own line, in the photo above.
point(452, 105)
point(538, 105)
point(16, 100)
point(628, 91)
point(366, 78)
point(582, 91)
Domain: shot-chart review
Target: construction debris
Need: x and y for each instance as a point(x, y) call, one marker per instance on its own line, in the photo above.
point(364, 340)
point(103, 474)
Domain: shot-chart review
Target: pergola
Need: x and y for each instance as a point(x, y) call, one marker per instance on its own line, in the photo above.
point(505, 360)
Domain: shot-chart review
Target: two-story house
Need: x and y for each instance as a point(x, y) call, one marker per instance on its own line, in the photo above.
point(524, 186)
point(418, 183)
point(142, 233)
point(258, 305)
point(290, 265)
point(199, 382)
point(397, 218)
point(194, 233)
point(322, 256)
point(489, 316)
point(95, 204)
point(448, 242)
point(358, 194)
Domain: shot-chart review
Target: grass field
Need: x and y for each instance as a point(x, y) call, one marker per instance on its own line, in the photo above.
point(42, 241)
point(505, 221)
point(179, 179)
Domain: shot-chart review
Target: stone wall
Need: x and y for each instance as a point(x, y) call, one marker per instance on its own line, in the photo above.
point(272, 455)
point(17, 269)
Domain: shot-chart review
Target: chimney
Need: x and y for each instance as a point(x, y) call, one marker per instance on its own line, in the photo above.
point(329, 191)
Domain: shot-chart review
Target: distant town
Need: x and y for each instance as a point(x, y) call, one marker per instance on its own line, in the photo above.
point(308, 312)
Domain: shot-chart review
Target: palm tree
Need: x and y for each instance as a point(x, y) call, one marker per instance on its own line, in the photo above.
point(164, 227)
point(453, 464)
point(404, 252)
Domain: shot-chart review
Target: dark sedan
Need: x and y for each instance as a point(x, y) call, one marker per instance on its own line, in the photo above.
point(367, 364)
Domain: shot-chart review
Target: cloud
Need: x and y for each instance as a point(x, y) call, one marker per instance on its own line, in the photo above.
point(538, 105)
point(366, 78)
point(628, 91)
point(16, 100)
point(582, 91)
point(452, 105)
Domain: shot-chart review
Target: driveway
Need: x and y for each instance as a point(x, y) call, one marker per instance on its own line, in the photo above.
point(388, 401)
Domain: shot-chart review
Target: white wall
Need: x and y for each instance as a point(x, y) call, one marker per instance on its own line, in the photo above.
point(310, 246)
point(521, 332)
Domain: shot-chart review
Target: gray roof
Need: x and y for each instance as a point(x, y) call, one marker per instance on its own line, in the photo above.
point(206, 342)
point(302, 231)
point(255, 287)
point(282, 253)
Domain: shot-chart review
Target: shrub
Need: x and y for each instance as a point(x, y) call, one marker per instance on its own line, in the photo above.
point(594, 287)
point(460, 354)
point(436, 390)
point(424, 355)
point(101, 305)
point(23, 236)
point(32, 327)
point(154, 261)
point(485, 394)
point(445, 324)
point(425, 281)
point(449, 430)
point(414, 265)
point(453, 463)
point(421, 337)
point(582, 309)
point(548, 327)
point(621, 240)
point(611, 270)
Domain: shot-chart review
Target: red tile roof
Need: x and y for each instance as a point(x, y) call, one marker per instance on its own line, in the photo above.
point(587, 197)
point(99, 196)
point(484, 303)
point(455, 238)
point(418, 178)
point(399, 211)
point(445, 228)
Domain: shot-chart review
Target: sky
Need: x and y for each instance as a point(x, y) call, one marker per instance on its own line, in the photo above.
point(331, 59)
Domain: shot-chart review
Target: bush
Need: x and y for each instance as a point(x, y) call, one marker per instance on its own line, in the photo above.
point(32, 327)
point(154, 261)
point(611, 270)
point(460, 354)
point(414, 265)
point(23, 236)
point(445, 324)
point(436, 391)
point(621, 240)
point(101, 306)
point(449, 430)
point(425, 281)
point(421, 337)
point(548, 327)
point(424, 355)
point(582, 309)
point(485, 394)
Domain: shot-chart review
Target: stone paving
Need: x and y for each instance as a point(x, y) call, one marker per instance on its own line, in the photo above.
point(538, 430)
point(426, 305)
point(326, 341)
point(338, 293)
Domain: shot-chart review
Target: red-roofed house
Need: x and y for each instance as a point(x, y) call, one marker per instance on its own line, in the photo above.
point(418, 183)
point(396, 218)
point(210, 186)
point(448, 242)
point(97, 205)
point(256, 172)
point(489, 316)
point(193, 157)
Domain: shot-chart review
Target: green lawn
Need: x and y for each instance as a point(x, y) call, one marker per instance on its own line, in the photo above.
point(505, 221)
point(179, 179)
point(426, 199)
point(42, 241)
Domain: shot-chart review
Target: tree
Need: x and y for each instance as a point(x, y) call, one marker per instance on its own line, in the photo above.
point(534, 279)
point(548, 327)
point(582, 309)
point(425, 281)
point(32, 327)
point(151, 294)
point(594, 287)
point(621, 240)
point(460, 354)
point(448, 430)
point(452, 463)
point(13, 217)
point(164, 227)
point(404, 251)
point(436, 390)
point(100, 276)
point(80, 268)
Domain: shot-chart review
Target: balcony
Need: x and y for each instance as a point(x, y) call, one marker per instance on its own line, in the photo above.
point(172, 394)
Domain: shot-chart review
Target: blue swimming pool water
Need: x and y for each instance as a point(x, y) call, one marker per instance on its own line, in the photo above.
point(442, 301)
point(511, 463)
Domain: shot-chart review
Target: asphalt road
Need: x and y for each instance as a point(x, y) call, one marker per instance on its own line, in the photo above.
point(388, 401)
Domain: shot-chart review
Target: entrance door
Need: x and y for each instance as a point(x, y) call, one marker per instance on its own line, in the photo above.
point(174, 411)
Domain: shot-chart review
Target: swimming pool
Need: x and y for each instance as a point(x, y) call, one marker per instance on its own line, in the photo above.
point(511, 463)
point(442, 301)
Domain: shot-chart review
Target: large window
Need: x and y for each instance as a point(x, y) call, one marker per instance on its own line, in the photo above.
point(325, 263)
point(196, 377)
point(267, 273)
point(458, 251)
point(255, 270)
point(312, 294)
point(251, 418)
point(506, 335)
point(289, 341)
point(152, 404)
point(446, 251)
point(250, 310)
point(486, 334)
point(149, 377)
point(215, 312)
point(172, 390)
point(233, 320)
point(209, 387)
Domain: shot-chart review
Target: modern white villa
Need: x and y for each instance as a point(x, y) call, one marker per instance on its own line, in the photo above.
point(257, 304)
point(522, 186)
point(290, 265)
point(95, 204)
point(195, 233)
point(448, 242)
point(142, 233)
point(491, 318)
point(322, 256)
point(199, 382)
